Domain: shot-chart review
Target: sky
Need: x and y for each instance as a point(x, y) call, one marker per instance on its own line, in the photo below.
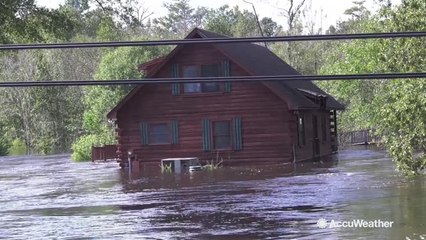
point(324, 12)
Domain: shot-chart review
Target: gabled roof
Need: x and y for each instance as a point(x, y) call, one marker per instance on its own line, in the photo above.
point(256, 60)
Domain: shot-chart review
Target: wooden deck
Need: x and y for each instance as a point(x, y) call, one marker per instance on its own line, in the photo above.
point(106, 152)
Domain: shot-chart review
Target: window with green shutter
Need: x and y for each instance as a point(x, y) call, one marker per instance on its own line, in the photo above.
point(190, 71)
point(222, 135)
point(158, 133)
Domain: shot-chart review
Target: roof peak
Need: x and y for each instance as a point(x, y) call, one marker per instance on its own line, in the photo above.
point(204, 34)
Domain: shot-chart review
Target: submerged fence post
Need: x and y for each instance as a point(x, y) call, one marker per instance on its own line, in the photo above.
point(129, 159)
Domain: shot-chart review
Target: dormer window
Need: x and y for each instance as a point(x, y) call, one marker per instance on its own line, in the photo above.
point(201, 71)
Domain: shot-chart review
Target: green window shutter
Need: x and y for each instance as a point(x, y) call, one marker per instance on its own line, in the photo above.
point(175, 132)
point(175, 74)
point(206, 135)
point(237, 133)
point(144, 133)
point(226, 73)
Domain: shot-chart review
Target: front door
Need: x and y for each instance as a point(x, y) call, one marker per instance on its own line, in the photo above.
point(315, 139)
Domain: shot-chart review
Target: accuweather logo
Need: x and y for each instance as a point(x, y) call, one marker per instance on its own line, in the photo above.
point(355, 223)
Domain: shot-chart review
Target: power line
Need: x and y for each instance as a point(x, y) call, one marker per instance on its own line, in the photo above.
point(212, 41)
point(280, 78)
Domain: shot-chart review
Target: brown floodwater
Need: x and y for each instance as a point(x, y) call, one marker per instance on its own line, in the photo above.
point(50, 197)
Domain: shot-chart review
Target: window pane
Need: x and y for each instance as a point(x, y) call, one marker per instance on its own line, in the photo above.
point(192, 87)
point(190, 71)
point(210, 87)
point(159, 138)
point(221, 135)
point(221, 128)
point(158, 133)
point(210, 70)
point(222, 142)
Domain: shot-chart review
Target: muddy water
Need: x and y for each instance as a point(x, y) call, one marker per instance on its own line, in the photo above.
point(52, 197)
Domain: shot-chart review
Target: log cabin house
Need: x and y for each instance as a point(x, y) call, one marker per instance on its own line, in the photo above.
point(242, 122)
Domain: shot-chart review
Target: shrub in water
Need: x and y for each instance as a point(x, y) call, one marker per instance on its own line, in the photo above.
point(82, 148)
point(18, 148)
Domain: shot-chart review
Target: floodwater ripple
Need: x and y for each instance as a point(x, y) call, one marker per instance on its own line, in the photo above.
point(52, 197)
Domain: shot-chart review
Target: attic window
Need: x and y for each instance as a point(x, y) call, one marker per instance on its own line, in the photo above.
point(201, 71)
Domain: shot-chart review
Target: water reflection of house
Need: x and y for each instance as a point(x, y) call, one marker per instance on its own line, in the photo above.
point(245, 122)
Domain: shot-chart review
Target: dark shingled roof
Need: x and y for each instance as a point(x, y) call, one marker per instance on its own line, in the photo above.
point(256, 60)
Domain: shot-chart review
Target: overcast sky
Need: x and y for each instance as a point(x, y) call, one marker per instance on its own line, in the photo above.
point(330, 10)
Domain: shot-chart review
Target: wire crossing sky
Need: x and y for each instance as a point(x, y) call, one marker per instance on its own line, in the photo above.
point(214, 40)
point(280, 78)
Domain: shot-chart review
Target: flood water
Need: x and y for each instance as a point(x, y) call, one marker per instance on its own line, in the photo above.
point(53, 198)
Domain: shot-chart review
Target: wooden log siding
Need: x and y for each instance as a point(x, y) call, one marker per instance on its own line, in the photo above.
point(268, 128)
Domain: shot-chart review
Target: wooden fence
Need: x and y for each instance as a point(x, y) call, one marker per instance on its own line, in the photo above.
point(106, 152)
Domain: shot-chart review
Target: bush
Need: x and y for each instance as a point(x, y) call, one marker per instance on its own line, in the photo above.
point(4, 147)
point(18, 148)
point(4, 141)
point(82, 148)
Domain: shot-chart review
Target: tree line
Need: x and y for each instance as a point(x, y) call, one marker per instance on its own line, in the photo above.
point(57, 119)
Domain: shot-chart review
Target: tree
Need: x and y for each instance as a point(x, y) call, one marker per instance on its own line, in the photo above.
point(120, 63)
point(181, 18)
point(236, 23)
point(292, 13)
point(4, 142)
point(12, 18)
point(129, 13)
point(394, 108)
point(78, 5)
point(23, 21)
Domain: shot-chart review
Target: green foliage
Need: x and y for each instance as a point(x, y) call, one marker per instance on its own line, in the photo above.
point(237, 23)
point(108, 31)
point(213, 165)
point(4, 142)
point(180, 19)
point(18, 148)
point(166, 168)
point(82, 148)
point(120, 63)
point(395, 108)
